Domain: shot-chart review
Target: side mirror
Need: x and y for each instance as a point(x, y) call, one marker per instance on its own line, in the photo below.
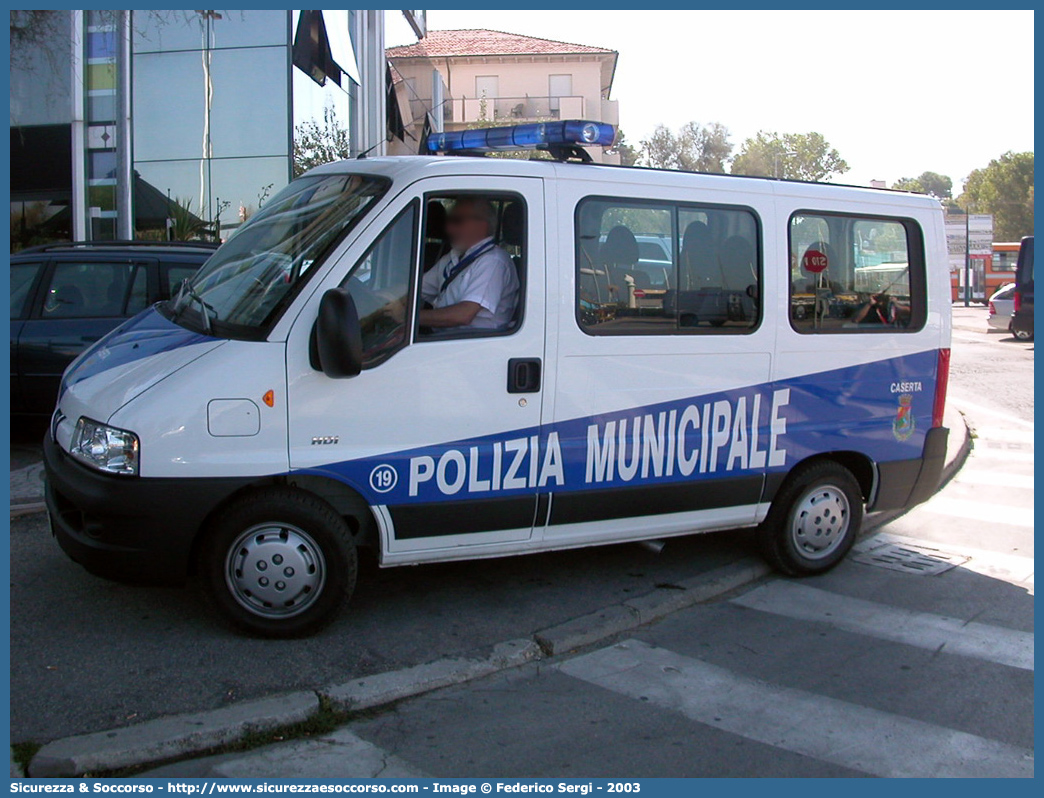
point(336, 345)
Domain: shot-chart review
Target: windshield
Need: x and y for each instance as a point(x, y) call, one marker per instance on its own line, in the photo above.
point(248, 281)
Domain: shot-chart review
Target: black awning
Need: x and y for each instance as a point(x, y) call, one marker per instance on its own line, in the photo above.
point(311, 50)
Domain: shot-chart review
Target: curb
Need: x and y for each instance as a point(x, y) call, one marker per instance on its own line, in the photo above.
point(640, 610)
point(27, 508)
point(166, 738)
point(181, 735)
point(383, 688)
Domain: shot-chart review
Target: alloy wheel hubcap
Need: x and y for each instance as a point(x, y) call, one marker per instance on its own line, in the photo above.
point(820, 522)
point(275, 570)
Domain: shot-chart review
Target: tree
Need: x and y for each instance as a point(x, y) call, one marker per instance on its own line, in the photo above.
point(694, 148)
point(316, 144)
point(794, 156)
point(933, 183)
point(1005, 189)
point(628, 154)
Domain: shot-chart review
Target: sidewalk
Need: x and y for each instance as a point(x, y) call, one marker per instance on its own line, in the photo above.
point(27, 488)
point(204, 734)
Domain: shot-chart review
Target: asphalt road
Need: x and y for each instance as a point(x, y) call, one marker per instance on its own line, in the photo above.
point(874, 669)
point(87, 654)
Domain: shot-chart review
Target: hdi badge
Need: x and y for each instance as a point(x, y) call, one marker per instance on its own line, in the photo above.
point(903, 424)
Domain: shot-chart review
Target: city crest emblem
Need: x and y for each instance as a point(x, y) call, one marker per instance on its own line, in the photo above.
point(903, 424)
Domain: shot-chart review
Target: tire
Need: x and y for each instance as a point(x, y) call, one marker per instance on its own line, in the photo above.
point(277, 563)
point(1022, 335)
point(814, 520)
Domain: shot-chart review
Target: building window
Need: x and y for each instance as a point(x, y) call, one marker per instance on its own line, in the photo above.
point(487, 86)
point(558, 86)
point(658, 268)
point(855, 274)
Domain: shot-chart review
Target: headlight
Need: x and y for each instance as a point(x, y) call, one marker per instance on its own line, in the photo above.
point(105, 448)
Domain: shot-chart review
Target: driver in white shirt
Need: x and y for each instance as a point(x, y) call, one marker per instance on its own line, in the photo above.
point(475, 286)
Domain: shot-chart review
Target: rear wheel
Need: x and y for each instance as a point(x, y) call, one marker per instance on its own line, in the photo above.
point(1022, 335)
point(278, 563)
point(814, 520)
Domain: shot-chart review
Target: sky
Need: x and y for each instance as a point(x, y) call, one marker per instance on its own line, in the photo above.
point(897, 93)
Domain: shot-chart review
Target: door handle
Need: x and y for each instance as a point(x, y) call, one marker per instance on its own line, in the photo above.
point(523, 375)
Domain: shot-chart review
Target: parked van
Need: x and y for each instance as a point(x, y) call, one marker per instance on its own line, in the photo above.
point(1022, 318)
point(289, 408)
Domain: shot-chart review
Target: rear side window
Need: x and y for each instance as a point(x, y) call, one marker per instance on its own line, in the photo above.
point(856, 274)
point(22, 277)
point(95, 290)
point(662, 268)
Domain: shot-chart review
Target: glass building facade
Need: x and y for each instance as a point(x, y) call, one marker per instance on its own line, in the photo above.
point(211, 122)
point(170, 124)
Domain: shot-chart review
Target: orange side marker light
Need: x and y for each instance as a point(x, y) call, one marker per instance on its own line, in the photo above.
point(269, 398)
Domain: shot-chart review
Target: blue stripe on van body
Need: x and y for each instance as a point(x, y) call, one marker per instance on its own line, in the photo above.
point(881, 409)
point(147, 334)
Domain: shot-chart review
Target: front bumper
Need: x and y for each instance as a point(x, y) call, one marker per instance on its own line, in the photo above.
point(132, 528)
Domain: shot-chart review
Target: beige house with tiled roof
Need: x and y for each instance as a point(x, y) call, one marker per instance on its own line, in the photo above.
point(489, 76)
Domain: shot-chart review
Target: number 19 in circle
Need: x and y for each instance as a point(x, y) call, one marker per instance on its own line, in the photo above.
point(383, 478)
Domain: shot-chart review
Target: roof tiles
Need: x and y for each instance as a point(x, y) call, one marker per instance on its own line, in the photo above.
point(477, 42)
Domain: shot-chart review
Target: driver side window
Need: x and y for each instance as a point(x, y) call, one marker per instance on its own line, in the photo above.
point(380, 285)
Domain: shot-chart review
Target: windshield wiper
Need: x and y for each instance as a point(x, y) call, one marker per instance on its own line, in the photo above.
point(187, 294)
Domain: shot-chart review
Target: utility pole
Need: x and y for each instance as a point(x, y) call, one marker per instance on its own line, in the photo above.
point(967, 256)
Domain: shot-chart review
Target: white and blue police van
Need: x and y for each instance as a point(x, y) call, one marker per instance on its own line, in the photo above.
point(779, 363)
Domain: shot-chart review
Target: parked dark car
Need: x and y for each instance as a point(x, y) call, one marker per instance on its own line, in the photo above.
point(1022, 319)
point(64, 297)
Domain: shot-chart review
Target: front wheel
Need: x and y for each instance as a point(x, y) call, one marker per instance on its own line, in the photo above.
point(1022, 335)
point(278, 563)
point(814, 520)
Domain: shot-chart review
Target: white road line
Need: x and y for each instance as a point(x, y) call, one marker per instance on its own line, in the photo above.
point(964, 404)
point(850, 735)
point(980, 476)
point(1004, 434)
point(983, 451)
point(998, 565)
point(979, 511)
point(920, 629)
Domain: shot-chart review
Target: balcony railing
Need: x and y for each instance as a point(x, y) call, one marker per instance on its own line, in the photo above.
point(517, 109)
point(505, 110)
point(418, 107)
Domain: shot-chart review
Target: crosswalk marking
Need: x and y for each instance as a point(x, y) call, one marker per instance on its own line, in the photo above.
point(964, 404)
point(980, 511)
point(849, 735)
point(1005, 434)
point(983, 451)
point(997, 565)
point(920, 629)
point(980, 476)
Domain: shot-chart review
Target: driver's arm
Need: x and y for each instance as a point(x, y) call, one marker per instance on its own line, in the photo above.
point(459, 315)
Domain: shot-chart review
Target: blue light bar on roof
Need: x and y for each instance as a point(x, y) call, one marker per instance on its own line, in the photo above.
point(538, 135)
